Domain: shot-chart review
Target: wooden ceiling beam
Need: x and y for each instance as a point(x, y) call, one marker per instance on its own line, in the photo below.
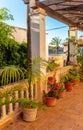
point(58, 16)
point(53, 14)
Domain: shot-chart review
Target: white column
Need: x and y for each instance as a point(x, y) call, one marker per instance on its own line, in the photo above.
point(73, 33)
point(38, 34)
point(39, 45)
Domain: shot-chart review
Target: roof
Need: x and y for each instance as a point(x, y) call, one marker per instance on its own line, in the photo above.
point(69, 12)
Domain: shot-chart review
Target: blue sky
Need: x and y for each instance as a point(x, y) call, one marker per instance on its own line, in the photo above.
point(18, 9)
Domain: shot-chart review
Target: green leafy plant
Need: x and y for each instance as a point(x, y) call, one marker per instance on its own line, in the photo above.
point(28, 103)
point(51, 93)
point(62, 87)
point(35, 72)
point(7, 95)
point(74, 73)
point(11, 74)
point(68, 78)
point(51, 66)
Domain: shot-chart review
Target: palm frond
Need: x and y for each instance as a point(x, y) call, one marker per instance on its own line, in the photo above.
point(11, 74)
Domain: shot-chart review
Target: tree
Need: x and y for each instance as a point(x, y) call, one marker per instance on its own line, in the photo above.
point(56, 41)
point(11, 52)
point(5, 30)
point(23, 55)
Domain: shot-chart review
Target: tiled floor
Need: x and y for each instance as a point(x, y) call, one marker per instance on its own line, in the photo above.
point(66, 115)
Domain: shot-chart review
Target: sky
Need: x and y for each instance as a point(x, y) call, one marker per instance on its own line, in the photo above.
point(18, 9)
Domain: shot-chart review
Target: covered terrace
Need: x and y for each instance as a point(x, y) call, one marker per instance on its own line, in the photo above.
point(68, 112)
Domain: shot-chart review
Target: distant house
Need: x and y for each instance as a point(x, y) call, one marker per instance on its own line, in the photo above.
point(20, 34)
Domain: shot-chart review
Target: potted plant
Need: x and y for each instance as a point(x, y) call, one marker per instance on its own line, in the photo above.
point(51, 95)
point(58, 87)
point(61, 90)
point(76, 76)
point(30, 108)
point(52, 65)
point(68, 78)
point(32, 74)
point(80, 64)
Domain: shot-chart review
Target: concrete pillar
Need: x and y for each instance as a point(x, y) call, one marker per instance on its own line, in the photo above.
point(38, 34)
point(39, 45)
point(73, 33)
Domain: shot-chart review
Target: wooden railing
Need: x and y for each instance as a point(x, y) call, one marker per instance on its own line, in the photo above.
point(11, 111)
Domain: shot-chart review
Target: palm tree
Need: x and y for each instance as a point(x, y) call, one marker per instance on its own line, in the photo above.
point(56, 41)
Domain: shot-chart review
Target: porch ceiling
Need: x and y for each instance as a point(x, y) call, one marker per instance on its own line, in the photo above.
point(69, 12)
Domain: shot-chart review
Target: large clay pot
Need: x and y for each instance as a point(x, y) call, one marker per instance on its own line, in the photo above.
point(68, 86)
point(29, 114)
point(50, 101)
point(61, 93)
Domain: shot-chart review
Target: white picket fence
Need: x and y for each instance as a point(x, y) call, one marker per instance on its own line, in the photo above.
point(11, 111)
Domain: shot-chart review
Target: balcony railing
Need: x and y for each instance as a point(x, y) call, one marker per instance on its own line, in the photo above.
point(10, 111)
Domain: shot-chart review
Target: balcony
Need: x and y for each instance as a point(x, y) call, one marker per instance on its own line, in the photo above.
point(66, 115)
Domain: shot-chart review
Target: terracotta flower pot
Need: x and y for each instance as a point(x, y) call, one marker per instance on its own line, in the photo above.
point(50, 101)
point(68, 86)
point(75, 82)
point(61, 93)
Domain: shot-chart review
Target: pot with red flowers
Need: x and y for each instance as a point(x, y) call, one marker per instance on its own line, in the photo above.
point(50, 98)
point(51, 95)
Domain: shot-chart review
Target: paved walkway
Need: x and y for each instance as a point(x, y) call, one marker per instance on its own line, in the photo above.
point(66, 115)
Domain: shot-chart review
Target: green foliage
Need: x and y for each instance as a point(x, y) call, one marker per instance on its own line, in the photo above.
point(11, 74)
point(13, 53)
point(62, 87)
point(68, 78)
point(34, 73)
point(52, 93)
point(51, 66)
point(4, 15)
point(26, 103)
point(7, 95)
point(74, 73)
point(5, 30)
point(10, 51)
point(56, 41)
point(72, 40)
point(80, 62)
point(23, 55)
